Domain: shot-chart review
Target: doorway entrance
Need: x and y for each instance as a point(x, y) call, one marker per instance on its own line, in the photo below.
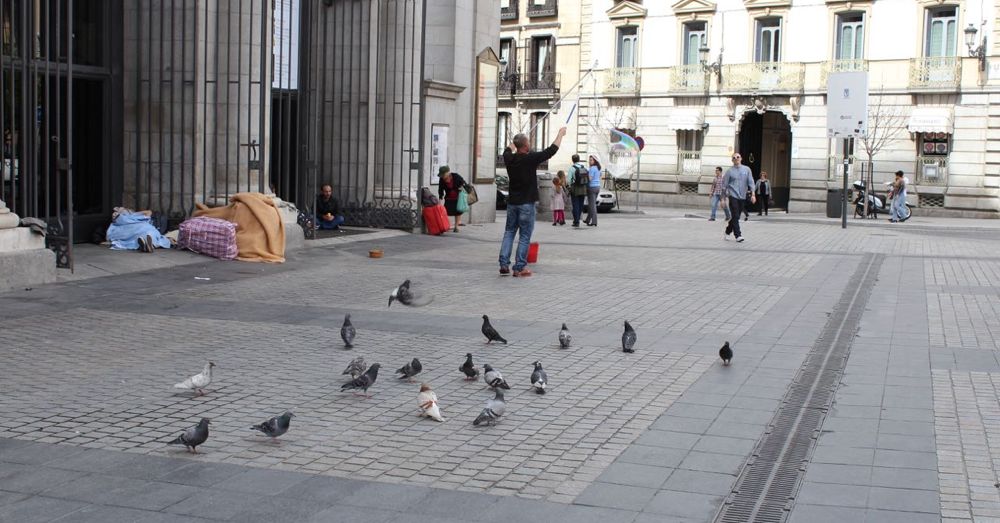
point(765, 142)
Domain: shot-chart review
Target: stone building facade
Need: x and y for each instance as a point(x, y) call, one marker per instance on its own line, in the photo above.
point(761, 90)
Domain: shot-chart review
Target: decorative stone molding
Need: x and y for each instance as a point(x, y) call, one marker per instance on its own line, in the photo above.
point(766, 4)
point(442, 89)
point(626, 12)
point(796, 104)
point(695, 7)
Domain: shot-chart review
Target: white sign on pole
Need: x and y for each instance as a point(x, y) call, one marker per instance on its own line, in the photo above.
point(847, 104)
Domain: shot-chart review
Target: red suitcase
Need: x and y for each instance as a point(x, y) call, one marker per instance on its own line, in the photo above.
point(436, 219)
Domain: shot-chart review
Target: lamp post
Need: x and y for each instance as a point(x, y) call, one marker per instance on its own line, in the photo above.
point(974, 51)
point(709, 68)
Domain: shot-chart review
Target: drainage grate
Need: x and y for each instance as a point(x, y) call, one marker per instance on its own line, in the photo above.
point(770, 479)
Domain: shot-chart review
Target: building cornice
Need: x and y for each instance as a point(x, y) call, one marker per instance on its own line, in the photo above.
point(442, 89)
point(626, 10)
point(695, 7)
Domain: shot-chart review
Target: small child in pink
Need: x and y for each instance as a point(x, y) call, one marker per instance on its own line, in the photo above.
point(557, 202)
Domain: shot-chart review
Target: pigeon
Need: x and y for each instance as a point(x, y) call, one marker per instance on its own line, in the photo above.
point(469, 369)
point(493, 378)
point(356, 367)
point(363, 381)
point(199, 381)
point(628, 338)
point(539, 379)
point(726, 353)
point(411, 369)
point(493, 411)
point(428, 403)
point(491, 333)
point(564, 337)
point(347, 332)
point(193, 436)
point(402, 294)
point(275, 426)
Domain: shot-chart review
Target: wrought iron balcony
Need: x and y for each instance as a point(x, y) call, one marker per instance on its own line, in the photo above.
point(688, 162)
point(622, 80)
point(763, 77)
point(936, 73)
point(509, 12)
point(538, 85)
point(843, 66)
point(508, 85)
point(932, 170)
point(549, 8)
point(689, 79)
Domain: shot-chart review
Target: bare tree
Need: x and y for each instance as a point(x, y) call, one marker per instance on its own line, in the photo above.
point(884, 125)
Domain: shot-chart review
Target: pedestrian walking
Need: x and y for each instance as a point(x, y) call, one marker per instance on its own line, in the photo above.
point(763, 190)
point(898, 211)
point(718, 195)
point(594, 189)
point(578, 183)
point(556, 201)
point(738, 181)
point(522, 173)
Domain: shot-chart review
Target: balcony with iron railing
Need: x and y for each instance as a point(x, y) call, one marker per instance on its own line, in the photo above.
point(549, 8)
point(932, 170)
point(689, 79)
point(509, 12)
point(688, 162)
point(938, 73)
point(767, 77)
point(538, 85)
point(622, 81)
point(843, 66)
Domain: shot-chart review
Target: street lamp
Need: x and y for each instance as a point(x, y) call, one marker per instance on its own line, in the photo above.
point(714, 67)
point(976, 52)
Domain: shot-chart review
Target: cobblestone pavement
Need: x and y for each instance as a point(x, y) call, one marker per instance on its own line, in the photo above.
point(86, 399)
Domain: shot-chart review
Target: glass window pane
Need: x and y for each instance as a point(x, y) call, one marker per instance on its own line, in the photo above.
point(936, 34)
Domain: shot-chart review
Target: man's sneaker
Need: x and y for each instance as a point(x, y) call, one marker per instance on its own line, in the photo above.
point(523, 273)
point(711, 219)
point(739, 240)
point(726, 237)
point(150, 246)
point(504, 270)
point(142, 244)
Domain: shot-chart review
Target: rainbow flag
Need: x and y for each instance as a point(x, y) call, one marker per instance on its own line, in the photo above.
point(625, 140)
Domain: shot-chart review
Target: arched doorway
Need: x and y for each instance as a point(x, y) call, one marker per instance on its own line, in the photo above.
point(765, 142)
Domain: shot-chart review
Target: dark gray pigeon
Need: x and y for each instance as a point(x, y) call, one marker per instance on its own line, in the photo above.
point(275, 426)
point(493, 378)
point(726, 353)
point(469, 369)
point(193, 436)
point(564, 337)
point(356, 367)
point(491, 333)
point(628, 338)
point(402, 294)
point(363, 381)
point(539, 379)
point(493, 411)
point(347, 332)
point(411, 369)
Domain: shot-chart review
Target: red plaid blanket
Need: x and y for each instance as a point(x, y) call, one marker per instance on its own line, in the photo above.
point(210, 236)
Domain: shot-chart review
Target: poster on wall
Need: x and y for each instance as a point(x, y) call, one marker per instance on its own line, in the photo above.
point(439, 149)
point(285, 44)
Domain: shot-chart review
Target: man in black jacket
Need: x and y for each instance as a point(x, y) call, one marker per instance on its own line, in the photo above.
point(328, 209)
point(522, 169)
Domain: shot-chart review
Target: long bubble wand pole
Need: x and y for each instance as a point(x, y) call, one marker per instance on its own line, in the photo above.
point(559, 101)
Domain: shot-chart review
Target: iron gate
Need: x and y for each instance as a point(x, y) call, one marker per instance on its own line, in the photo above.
point(354, 118)
point(36, 75)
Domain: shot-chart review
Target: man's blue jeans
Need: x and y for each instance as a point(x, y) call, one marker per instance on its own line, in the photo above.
point(519, 218)
point(716, 199)
point(332, 224)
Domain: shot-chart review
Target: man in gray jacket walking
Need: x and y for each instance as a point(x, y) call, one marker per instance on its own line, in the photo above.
point(738, 181)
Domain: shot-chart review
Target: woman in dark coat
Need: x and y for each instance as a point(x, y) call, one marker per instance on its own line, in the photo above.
point(448, 186)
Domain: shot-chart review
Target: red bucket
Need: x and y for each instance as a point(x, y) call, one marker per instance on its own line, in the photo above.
point(533, 252)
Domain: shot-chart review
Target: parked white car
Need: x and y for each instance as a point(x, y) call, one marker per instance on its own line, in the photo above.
point(606, 200)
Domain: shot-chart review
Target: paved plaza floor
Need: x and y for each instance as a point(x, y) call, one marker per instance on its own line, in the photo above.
point(864, 386)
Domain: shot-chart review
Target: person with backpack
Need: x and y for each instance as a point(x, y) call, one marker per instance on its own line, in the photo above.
point(578, 182)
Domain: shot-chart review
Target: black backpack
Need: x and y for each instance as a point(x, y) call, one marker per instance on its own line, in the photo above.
point(580, 176)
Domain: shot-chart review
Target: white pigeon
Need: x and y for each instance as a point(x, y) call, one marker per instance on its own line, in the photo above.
point(427, 401)
point(199, 381)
